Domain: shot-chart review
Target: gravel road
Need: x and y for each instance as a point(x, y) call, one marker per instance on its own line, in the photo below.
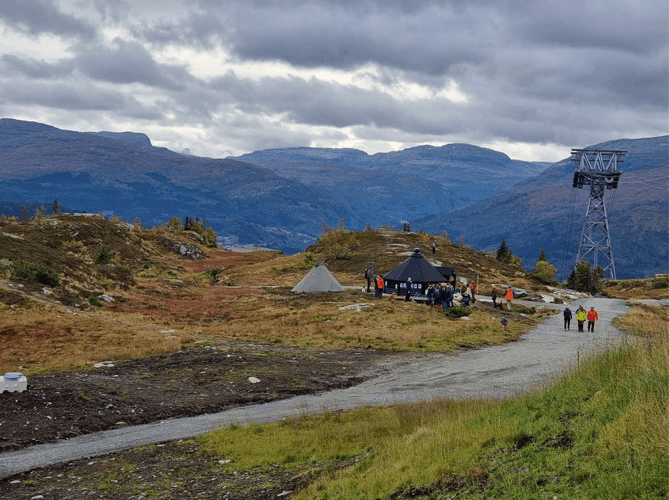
point(492, 372)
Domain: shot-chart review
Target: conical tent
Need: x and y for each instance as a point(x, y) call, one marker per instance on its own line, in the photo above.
point(319, 279)
point(416, 267)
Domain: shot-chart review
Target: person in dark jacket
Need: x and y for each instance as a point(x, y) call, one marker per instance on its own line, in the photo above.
point(407, 297)
point(494, 298)
point(438, 295)
point(369, 277)
point(448, 297)
point(567, 317)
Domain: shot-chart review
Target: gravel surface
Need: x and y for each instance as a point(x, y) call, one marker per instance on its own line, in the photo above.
point(492, 372)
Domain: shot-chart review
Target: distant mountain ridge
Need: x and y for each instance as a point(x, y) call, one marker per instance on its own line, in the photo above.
point(535, 213)
point(272, 198)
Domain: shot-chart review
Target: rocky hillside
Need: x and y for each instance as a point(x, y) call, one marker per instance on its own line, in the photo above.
point(536, 213)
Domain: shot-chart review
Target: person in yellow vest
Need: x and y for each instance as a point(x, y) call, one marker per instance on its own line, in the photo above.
point(509, 297)
point(379, 286)
point(580, 317)
point(592, 317)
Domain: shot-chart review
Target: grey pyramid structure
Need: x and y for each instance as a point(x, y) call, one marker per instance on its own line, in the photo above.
point(319, 279)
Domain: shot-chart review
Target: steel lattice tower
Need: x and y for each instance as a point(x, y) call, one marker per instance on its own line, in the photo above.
point(599, 170)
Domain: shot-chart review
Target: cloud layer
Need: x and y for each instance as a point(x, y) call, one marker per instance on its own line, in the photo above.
point(231, 77)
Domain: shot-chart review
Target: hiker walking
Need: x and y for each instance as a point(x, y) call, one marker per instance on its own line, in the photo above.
point(434, 248)
point(567, 317)
point(369, 276)
point(505, 323)
point(379, 286)
point(509, 297)
point(592, 317)
point(580, 317)
point(473, 292)
point(494, 298)
point(407, 297)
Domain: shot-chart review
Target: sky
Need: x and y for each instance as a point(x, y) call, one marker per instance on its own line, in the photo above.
point(532, 79)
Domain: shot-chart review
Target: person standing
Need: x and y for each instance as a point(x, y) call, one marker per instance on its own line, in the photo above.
point(473, 292)
point(505, 323)
point(448, 297)
point(494, 298)
point(434, 248)
point(407, 297)
point(567, 317)
point(369, 277)
point(509, 297)
point(379, 286)
point(592, 317)
point(580, 317)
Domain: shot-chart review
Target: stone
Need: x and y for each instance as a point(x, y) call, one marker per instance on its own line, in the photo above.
point(356, 307)
point(254, 380)
point(106, 298)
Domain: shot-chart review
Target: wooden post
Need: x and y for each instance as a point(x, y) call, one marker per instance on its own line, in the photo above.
point(578, 359)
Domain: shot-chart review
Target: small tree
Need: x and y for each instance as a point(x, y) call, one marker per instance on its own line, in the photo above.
point(542, 257)
point(103, 257)
point(585, 279)
point(504, 252)
point(56, 206)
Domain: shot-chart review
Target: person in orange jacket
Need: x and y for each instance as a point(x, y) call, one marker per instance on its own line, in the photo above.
point(509, 297)
point(592, 317)
point(379, 286)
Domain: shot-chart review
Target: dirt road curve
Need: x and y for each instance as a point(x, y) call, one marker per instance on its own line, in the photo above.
point(491, 372)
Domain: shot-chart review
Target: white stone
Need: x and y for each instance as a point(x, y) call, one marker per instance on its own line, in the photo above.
point(254, 380)
point(106, 298)
point(46, 291)
point(466, 318)
point(356, 307)
point(104, 364)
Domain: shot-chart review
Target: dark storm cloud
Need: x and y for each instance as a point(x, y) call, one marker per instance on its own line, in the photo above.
point(129, 62)
point(429, 40)
point(71, 96)
point(197, 29)
point(12, 65)
point(35, 17)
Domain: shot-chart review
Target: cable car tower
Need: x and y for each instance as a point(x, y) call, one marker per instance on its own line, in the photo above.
point(599, 169)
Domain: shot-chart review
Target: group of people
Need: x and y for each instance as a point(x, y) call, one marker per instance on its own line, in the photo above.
point(581, 316)
point(443, 294)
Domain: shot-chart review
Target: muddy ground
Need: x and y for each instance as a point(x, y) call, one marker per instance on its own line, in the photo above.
point(205, 379)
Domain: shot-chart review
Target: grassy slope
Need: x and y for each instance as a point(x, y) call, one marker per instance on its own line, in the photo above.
point(601, 431)
point(157, 290)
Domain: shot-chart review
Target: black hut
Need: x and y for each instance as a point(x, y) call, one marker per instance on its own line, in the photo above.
point(416, 267)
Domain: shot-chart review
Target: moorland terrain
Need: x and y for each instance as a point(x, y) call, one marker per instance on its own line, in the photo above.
point(187, 326)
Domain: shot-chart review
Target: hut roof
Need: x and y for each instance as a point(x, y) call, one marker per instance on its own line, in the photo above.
point(319, 279)
point(417, 268)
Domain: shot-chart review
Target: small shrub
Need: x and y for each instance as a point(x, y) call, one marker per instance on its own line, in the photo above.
point(213, 273)
point(660, 283)
point(34, 272)
point(94, 301)
point(457, 312)
point(103, 257)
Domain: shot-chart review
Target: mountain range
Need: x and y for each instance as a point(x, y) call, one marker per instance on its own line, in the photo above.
point(545, 212)
point(274, 198)
point(280, 198)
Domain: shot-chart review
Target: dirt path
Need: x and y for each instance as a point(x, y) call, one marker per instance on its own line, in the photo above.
point(492, 372)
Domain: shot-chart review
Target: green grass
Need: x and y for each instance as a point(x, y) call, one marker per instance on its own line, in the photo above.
point(599, 432)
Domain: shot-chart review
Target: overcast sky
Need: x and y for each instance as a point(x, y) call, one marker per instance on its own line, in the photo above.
point(529, 78)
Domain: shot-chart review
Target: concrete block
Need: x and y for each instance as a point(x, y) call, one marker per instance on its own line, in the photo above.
point(13, 382)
